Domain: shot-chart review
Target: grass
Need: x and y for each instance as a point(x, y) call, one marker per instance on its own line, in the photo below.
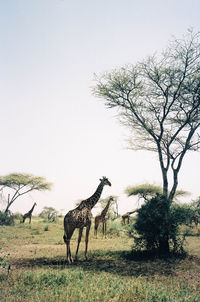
point(39, 271)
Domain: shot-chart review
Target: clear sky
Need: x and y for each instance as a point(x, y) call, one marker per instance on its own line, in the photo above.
point(51, 124)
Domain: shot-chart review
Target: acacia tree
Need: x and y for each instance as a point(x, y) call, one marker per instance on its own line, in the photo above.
point(20, 184)
point(159, 100)
point(144, 191)
point(49, 213)
point(147, 191)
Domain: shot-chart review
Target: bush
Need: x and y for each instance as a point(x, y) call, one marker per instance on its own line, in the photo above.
point(6, 218)
point(18, 216)
point(157, 226)
point(115, 227)
point(46, 228)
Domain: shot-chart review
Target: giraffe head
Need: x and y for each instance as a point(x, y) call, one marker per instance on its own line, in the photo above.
point(105, 181)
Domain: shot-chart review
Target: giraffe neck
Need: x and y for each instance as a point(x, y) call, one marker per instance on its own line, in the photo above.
point(131, 212)
point(31, 210)
point(105, 210)
point(91, 201)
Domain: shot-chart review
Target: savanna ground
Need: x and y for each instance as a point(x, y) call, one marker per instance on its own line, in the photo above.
point(39, 271)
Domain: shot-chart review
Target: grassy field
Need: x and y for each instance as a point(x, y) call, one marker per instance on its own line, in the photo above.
point(39, 271)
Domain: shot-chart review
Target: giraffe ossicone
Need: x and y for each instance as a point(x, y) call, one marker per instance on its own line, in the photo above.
point(81, 217)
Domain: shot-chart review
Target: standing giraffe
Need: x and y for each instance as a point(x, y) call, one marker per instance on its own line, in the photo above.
point(127, 216)
point(102, 218)
point(29, 214)
point(81, 217)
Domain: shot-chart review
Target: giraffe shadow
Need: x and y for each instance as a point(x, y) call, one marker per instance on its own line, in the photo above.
point(115, 262)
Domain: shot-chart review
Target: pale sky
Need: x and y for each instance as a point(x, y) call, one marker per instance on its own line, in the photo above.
point(51, 124)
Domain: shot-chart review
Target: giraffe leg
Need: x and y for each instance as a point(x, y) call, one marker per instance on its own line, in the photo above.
point(86, 239)
point(67, 236)
point(69, 256)
point(79, 240)
point(105, 229)
point(96, 228)
point(30, 219)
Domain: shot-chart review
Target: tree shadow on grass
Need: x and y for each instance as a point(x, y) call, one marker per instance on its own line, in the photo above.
point(114, 262)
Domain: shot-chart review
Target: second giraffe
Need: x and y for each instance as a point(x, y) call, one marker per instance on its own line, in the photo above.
point(102, 218)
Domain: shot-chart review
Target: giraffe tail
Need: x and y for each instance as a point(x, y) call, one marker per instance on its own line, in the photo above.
point(65, 237)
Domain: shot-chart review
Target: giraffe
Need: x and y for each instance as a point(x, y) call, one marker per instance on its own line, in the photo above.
point(29, 214)
point(102, 218)
point(127, 216)
point(80, 217)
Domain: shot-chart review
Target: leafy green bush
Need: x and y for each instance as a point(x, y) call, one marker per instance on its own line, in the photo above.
point(6, 218)
point(157, 226)
point(115, 227)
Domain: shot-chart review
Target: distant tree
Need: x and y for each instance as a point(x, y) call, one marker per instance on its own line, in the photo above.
point(49, 213)
point(144, 191)
point(147, 191)
point(159, 100)
point(19, 184)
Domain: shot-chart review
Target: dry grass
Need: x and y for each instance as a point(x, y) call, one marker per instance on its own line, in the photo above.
point(39, 271)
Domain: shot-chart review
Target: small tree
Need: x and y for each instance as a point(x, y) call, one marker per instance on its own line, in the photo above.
point(157, 225)
point(158, 220)
point(20, 184)
point(49, 213)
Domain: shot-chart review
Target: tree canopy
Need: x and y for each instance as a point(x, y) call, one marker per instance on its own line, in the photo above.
point(147, 191)
point(159, 100)
point(20, 184)
point(143, 191)
point(49, 213)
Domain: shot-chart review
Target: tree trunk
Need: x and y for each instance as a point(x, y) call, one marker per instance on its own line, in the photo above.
point(164, 246)
point(8, 205)
point(173, 190)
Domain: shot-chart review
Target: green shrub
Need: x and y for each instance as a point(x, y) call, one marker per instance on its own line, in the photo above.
point(18, 216)
point(6, 218)
point(115, 227)
point(157, 226)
